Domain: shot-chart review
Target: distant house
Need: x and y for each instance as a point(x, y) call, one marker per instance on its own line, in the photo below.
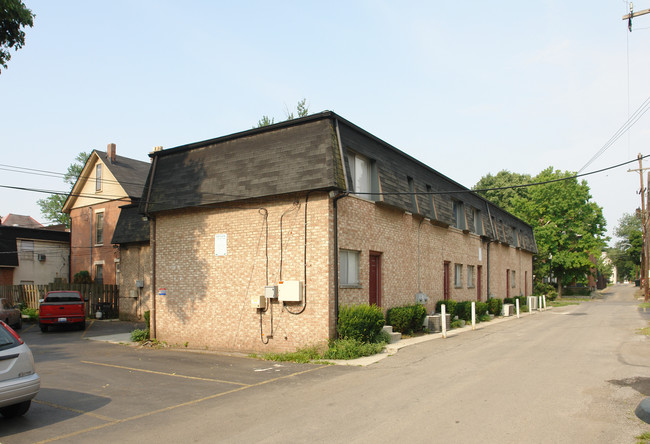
point(33, 256)
point(328, 215)
point(106, 183)
point(17, 220)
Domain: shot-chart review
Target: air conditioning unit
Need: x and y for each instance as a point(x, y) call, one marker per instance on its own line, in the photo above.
point(41, 257)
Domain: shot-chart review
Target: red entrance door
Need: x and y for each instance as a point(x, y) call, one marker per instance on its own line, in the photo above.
point(445, 282)
point(374, 286)
point(479, 282)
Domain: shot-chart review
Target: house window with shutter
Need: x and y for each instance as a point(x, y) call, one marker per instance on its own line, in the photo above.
point(99, 228)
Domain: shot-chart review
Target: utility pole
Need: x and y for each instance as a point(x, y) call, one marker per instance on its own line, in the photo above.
point(644, 225)
point(632, 14)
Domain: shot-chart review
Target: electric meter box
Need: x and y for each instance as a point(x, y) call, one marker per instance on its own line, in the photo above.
point(258, 301)
point(290, 291)
point(271, 291)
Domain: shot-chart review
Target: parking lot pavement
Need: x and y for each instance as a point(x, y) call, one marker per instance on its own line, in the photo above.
point(88, 385)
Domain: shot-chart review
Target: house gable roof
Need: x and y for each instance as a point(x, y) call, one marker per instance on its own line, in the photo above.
point(124, 179)
point(17, 220)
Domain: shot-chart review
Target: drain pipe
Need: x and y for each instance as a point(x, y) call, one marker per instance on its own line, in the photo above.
point(336, 258)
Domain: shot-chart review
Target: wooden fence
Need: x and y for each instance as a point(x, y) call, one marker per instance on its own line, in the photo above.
point(105, 298)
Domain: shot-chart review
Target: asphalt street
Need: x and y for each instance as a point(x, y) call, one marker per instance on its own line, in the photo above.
point(570, 374)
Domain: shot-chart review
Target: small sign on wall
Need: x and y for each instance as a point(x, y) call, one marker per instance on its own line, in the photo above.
point(221, 244)
point(480, 254)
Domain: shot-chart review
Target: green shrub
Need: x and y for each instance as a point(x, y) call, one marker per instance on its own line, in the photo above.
point(406, 319)
point(360, 322)
point(302, 356)
point(495, 306)
point(551, 295)
point(450, 307)
point(481, 309)
point(464, 310)
point(457, 323)
point(485, 318)
point(31, 312)
point(351, 349)
point(83, 277)
point(139, 335)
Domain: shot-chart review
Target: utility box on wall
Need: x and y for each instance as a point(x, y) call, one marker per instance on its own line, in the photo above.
point(258, 301)
point(290, 291)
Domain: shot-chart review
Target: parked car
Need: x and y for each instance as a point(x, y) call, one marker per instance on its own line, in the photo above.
point(62, 308)
point(19, 382)
point(11, 315)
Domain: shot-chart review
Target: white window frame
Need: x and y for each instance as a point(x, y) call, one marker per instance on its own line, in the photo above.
point(470, 276)
point(349, 268)
point(96, 227)
point(98, 177)
point(95, 265)
point(458, 275)
point(27, 250)
point(361, 174)
point(513, 275)
point(459, 214)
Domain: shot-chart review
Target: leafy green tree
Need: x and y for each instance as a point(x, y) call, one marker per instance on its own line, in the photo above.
point(14, 16)
point(626, 253)
point(507, 198)
point(569, 228)
point(52, 205)
point(302, 109)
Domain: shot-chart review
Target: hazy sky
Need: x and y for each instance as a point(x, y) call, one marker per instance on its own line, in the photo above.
point(468, 88)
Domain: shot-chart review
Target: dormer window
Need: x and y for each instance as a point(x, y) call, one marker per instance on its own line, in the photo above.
point(459, 214)
point(98, 177)
point(363, 174)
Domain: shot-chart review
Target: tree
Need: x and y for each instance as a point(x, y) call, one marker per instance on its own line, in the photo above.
point(509, 198)
point(568, 227)
point(626, 253)
point(52, 205)
point(14, 16)
point(302, 109)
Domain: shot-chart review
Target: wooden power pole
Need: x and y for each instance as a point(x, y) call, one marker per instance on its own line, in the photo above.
point(632, 14)
point(644, 226)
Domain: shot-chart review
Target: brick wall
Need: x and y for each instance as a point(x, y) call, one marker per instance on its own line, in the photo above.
point(208, 297)
point(6, 276)
point(365, 226)
point(86, 251)
point(135, 265)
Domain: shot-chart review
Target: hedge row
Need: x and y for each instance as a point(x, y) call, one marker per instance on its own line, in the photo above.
point(407, 319)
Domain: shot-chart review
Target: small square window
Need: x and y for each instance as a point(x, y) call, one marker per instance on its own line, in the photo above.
point(458, 276)
point(349, 267)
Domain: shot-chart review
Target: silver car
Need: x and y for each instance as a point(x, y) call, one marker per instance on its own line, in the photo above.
point(19, 382)
point(11, 315)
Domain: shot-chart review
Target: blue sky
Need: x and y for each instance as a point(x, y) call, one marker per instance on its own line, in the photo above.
point(468, 88)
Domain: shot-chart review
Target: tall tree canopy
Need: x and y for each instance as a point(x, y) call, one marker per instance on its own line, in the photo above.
point(14, 16)
point(569, 228)
point(626, 253)
point(52, 205)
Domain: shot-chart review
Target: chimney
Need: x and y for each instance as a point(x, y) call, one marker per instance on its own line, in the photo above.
point(111, 152)
point(155, 150)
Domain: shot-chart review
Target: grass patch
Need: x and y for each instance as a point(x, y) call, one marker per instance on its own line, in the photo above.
point(138, 335)
point(643, 438)
point(338, 349)
point(644, 331)
point(644, 305)
point(563, 302)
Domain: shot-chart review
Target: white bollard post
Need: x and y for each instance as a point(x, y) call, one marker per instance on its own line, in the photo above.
point(530, 305)
point(517, 305)
point(443, 320)
point(544, 301)
point(539, 303)
point(473, 315)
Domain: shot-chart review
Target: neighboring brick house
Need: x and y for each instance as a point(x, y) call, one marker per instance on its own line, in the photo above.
point(33, 256)
point(106, 183)
point(333, 213)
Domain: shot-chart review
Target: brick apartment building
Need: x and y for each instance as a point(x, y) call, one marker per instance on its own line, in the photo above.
point(331, 214)
point(106, 183)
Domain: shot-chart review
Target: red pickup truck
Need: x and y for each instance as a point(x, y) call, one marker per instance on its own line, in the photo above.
point(62, 308)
